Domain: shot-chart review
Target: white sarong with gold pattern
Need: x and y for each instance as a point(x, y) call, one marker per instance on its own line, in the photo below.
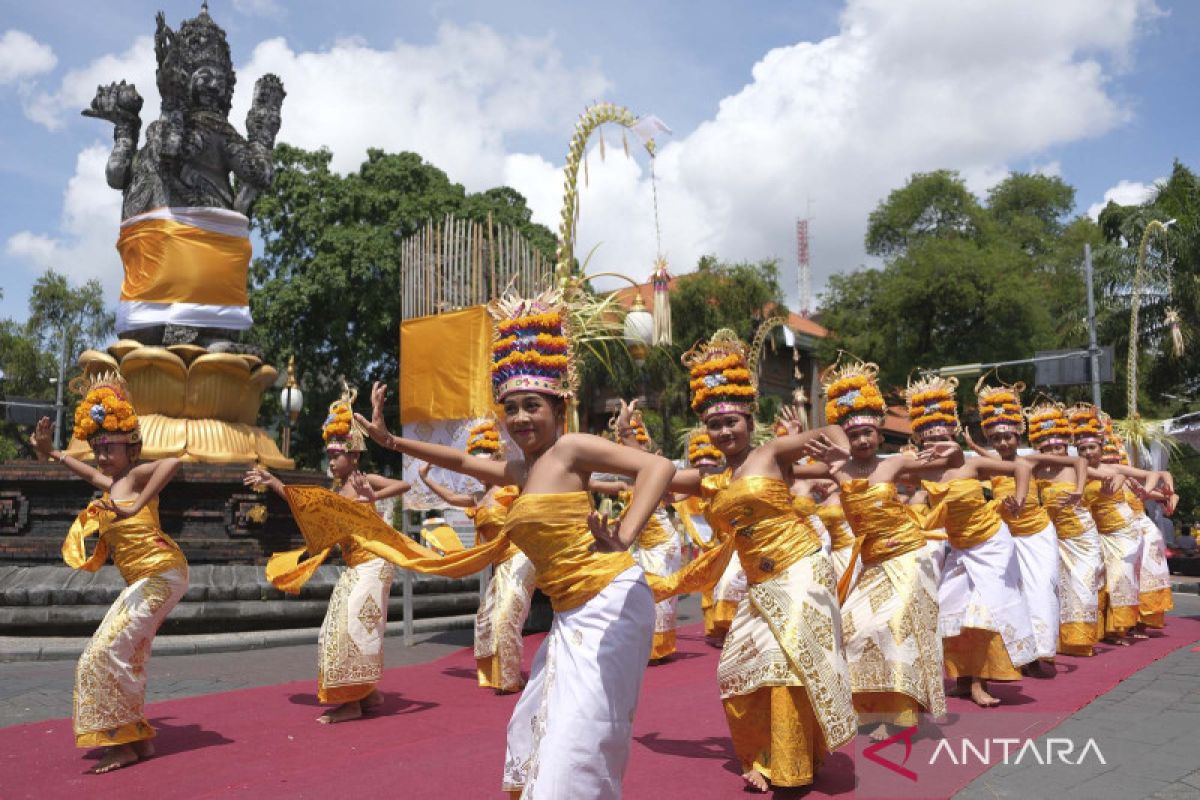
point(500, 622)
point(660, 552)
point(110, 678)
point(350, 644)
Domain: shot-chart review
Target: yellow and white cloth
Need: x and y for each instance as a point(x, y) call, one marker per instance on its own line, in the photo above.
point(1080, 571)
point(1119, 546)
point(350, 643)
point(1036, 546)
point(659, 552)
point(110, 678)
point(185, 266)
point(1154, 576)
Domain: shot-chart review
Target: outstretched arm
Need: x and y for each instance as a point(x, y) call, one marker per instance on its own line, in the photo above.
point(1021, 471)
point(971, 443)
point(610, 488)
point(41, 443)
point(482, 469)
point(457, 499)
point(387, 487)
point(258, 476)
point(1078, 462)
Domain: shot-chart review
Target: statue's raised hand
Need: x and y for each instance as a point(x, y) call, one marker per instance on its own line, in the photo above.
point(118, 103)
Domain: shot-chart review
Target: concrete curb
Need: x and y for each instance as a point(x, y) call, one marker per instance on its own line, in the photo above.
point(30, 648)
point(1186, 587)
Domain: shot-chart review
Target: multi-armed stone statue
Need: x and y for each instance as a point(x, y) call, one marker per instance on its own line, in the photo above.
point(185, 247)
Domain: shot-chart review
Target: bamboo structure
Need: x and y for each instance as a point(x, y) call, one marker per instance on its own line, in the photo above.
point(458, 263)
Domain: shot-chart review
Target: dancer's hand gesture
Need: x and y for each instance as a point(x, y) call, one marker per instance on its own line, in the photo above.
point(106, 503)
point(1011, 506)
point(1068, 499)
point(362, 487)
point(257, 476)
point(423, 470)
point(376, 427)
point(823, 449)
point(41, 439)
point(605, 534)
point(789, 417)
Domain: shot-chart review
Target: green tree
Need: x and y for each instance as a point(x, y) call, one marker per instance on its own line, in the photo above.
point(327, 285)
point(963, 281)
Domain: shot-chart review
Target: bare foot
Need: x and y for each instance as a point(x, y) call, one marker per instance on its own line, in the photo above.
point(1119, 641)
point(116, 757)
point(144, 749)
point(962, 688)
point(755, 780)
point(1139, 634)
point(980, 696)
point(343, 713)
point(371, 701)
point(879, 734)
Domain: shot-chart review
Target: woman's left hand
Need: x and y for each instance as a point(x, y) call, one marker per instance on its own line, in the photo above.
point(605, 534)
point(106, 503)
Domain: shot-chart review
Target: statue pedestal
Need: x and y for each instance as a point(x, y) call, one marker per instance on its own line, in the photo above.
point(193, 404)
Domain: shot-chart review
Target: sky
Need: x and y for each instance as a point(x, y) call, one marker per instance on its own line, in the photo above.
point(778, 110)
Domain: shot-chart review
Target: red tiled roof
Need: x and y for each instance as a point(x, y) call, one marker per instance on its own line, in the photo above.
point(803, 325)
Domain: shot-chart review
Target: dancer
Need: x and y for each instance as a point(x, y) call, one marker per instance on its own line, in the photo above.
point(692, 513)
point(890, 610)
point(505, 605)
point(350, 642)
point(782, 672)
point(658, 549)
point(982, 617)
point(1081, 565)
point(110, 678)
point(1034, 537)
point(570, 732)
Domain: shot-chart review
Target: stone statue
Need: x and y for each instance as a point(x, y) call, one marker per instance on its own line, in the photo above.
point(191, 150)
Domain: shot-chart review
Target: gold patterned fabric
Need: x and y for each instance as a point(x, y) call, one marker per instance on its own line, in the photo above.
point(841, 535)
point(661, 553)
point(1080, 572)
point(775, 732)
point(350, 643)
point(889, 617)
point(787, 631)
point(137, 543)
point(968, 518)
point(505, 605)
point(1154, 578)
point(1119, 546)
point(1031, 519)
point(1069, 521)
point(110, 678)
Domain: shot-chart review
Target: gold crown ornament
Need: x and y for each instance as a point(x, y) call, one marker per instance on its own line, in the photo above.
point(852, 397)
point(531, 346)
point(701, 452)
point(721, 381)
point(1000, 407)
point(340, 430)
point(932, 408)
point(105, 415)
point(1086, 424)
point(1048, 424)
point(483, 438)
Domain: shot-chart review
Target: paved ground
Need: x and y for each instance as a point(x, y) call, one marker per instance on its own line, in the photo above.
point(1148, 727)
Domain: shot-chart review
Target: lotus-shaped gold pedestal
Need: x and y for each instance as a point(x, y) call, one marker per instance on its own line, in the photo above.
point(193, 404)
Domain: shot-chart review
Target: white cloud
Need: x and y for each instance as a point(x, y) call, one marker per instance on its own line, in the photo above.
point(85, 245)
point(22, 56)
point(832, 125)
point(77, 88)
point(1125, 193)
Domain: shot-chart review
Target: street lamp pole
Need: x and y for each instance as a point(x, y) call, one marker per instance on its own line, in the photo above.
point(58, 393)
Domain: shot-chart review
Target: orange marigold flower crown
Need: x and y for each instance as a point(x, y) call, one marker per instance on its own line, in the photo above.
point(531, 346)
point(1000, 407)
point(1113, 448)
point(483, 438)
point(340, 430)
point(852, 397)
point(721, 380)
point(105, 415)
point(1048, 424)
point(931, 405)
point(700, 449)
point(1086, 424)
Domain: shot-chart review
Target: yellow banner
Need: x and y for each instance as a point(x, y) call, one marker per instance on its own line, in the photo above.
point(445, 366)
point(172, 262)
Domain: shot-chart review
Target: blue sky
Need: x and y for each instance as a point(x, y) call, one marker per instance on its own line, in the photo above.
point(777, 109)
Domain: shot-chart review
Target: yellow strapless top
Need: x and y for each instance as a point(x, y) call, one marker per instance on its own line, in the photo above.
point(489, 523)
point(552, 530)
point(804, 505)
point(876, 512)
point(840, 533)
point(654, 532)
point(138, 545)
point(1105, 508)
point(1069, 521)
point(931, 522)
point(969, 518)
point(1031, 519)
point(758, 512)
point(1134, 501)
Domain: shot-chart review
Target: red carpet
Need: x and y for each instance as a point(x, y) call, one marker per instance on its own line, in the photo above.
point(439, 736)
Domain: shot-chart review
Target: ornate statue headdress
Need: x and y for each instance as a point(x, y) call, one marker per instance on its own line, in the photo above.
point(1000, 407)
point(341, 430)
point(105, 415)
point(721, 381)
point(483, 438)
point(852, 395)
point(1048, 424)
point(199, 42)
point(531, 349)
point(932, 407)
point(1086, 425)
